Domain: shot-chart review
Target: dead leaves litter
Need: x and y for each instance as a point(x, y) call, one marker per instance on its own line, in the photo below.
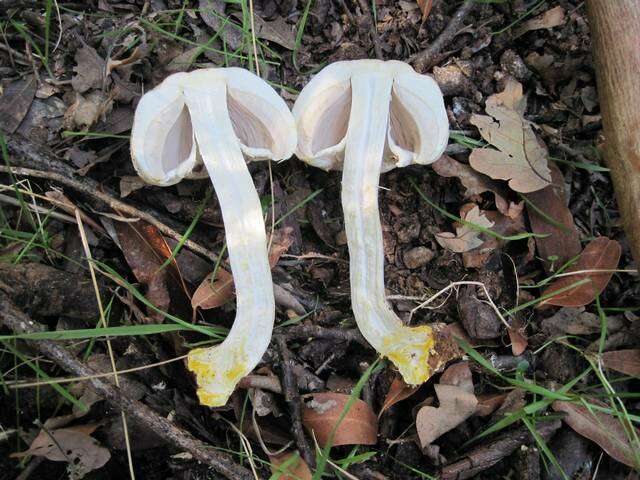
point(518, 156)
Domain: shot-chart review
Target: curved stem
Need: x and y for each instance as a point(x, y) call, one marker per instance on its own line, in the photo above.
point(218, 369)
point(408, 348)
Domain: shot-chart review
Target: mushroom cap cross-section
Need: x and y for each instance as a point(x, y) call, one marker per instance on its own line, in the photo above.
point(365, 117)
point(214, 118)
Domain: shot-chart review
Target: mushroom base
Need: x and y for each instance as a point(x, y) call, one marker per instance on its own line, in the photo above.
point(217, 371)
point(409, 349)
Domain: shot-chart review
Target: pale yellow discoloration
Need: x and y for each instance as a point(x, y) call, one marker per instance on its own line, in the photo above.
point(409, 349)
point(217, 373)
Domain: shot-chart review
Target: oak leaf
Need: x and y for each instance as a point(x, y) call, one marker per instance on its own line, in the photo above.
point(519, 156)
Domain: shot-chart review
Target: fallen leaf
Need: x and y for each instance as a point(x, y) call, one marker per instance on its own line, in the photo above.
point(425, 8)
point(517, 337)
point(145, 250)
point(277, 31)
point(624, 361)
point(129, 184)
point(90, 70)
point(519, 156)
point(466, 238)
point(456, 405)
point(398, 391)
point(458, 375)
point(322, 411)
point(213, 14)
point(73, 445)
point(212, 294)
point(605, 430)
point(289, 466)
point(549, 215)
point(478, 318)
point(600, 254)
point(553, 17)
point(15, 102)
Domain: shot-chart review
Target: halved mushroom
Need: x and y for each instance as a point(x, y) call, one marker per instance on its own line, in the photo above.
point(214, 116)
point(366, 117)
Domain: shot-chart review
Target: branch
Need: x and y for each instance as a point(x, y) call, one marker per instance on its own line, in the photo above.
point(14, 319)
point(424, 60)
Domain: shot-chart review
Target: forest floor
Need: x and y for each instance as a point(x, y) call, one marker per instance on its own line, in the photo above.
point(533, 278)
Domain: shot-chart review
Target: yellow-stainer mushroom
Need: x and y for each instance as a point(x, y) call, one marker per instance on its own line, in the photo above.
point(217, 118)
point(366, 117)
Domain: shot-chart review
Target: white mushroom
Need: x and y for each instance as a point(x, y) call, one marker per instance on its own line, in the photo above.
point(213, 117)
point(366, 117)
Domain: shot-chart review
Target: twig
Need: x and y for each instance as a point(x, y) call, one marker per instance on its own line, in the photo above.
point(292, 396)
point(424, 60)
point(35, 161)
point(19, 323)
point(316, 331)
point(485, 456)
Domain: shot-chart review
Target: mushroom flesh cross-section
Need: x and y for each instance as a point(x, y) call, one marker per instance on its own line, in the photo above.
point(366, 117)
point(216, 118)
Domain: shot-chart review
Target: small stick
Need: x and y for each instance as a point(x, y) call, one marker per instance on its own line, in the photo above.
point(485, 456)
point(17, 321)
point(307, 331)
point(424, 60)
point(292, 396)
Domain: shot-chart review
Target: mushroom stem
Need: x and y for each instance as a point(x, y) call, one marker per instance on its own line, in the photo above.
point(218, 369)
point(407, 347)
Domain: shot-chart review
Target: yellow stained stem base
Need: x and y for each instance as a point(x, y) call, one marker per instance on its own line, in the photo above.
point(217, 374)
point(409, 349)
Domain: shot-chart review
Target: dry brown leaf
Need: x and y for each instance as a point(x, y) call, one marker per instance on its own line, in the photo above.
point(458, 375)
point(145, 250)
point(90, 70)
point(466, 238)
point(624, 361)
point(425, 8)
point(212, 294)
point(600, 427)
point(73, 445)
point(398, 391)
point(519, 156)
point(553, 17)
point(476, 183)
point(600, 254)
point(15, 102)
point(290, 466)
point(456, 405)
point(323, 410)
point(562, 242)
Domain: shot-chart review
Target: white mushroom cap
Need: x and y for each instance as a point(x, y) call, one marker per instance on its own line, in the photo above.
point(163, 146)
point(418, 129)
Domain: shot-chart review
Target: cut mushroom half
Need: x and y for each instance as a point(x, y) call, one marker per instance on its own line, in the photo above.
point(366, 117)
point(221, 118)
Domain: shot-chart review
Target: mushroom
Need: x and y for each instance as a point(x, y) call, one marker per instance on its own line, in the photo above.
point(366, 117)
point(217, 118)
